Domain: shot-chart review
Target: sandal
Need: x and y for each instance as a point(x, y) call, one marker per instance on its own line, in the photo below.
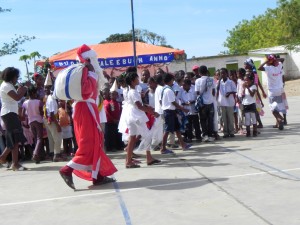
point(105, 180)
point(19, 168)
point(153, 162)
point(67, 179)
point(135, 155)
point(132, 166)
point(187, 147)
point(167, 151)
point(135, 161)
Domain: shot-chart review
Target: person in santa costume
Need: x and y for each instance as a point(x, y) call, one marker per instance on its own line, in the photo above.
point(90, 161)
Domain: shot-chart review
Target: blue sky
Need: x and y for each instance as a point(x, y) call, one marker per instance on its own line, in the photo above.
point(197, 26)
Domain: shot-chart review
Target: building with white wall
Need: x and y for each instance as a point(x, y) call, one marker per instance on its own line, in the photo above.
point(233, 62)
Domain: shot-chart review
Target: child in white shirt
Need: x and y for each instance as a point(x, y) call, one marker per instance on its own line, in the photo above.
point(249, 103)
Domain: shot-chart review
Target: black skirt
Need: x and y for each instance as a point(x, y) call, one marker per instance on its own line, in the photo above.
point(14, 131)
point(250, 108)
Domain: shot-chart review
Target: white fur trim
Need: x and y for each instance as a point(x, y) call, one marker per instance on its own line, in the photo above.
point(89, 54)
point(95, 172)
point(77, 166)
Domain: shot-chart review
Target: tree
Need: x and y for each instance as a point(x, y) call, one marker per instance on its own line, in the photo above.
point(279, 26)
point(4, 10)
point(141, 35)
point(118, 38)
point(150, 37)
point(25, 58)
point(33, 56)
point(13, 47)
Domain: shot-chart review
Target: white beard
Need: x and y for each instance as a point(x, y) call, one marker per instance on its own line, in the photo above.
point(92, 55)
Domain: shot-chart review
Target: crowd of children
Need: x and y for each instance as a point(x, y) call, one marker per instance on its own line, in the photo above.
point(194, 106)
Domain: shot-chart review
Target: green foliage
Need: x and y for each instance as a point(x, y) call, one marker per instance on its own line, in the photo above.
point(278, 26)
point(26, 59)
point(118, 38)
point(45, 68)
point(4, 10)
point(141, 35)
point(13, 47)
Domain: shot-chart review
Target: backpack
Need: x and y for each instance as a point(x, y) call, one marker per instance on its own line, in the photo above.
point(199, 100)
point(199, 103)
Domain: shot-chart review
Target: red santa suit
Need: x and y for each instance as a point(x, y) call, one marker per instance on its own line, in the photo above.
point(90, 161)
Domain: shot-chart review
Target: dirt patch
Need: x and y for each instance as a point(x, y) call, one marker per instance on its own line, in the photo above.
point(292, 87)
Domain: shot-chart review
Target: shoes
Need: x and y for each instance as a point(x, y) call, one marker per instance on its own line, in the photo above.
point(248, 134)
point(68, 179)
point(172, 146)
point(132, 166)
point(231, 135)
point(105, 180)
point(19, 168)
point(167, 151)
point(155, 161)
point(280, 127)
point(187, 147)
point(225, 136)
point(135, 161)
point(205, 138)
point(210, 139)
point(36, 159)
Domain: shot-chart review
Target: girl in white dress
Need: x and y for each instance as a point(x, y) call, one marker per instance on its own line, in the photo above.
point(135, 118)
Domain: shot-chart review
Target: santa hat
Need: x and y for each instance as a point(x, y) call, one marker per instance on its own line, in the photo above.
point(48, 80)
point(85, 52)
point(114, 87)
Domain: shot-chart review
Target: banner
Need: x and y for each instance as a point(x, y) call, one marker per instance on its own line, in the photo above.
point(143, 59)
point(123, 61)
point(64, 63)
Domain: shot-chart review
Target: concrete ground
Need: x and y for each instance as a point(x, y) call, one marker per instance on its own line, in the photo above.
point(232, 181)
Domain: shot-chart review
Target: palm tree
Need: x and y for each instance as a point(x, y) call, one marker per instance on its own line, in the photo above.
point(33, 55)
point(25, 58)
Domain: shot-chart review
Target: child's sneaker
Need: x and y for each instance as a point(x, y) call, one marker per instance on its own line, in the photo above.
point(211, 139)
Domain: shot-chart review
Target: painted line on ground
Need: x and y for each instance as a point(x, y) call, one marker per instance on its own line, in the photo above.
point(261, 163)
point(122, 204)
point(141, 188)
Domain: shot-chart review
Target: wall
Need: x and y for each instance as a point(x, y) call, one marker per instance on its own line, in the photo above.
point(215, 61)
point(291, 64)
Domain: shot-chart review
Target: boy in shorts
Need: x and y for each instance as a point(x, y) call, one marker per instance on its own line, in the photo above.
point(169, 106)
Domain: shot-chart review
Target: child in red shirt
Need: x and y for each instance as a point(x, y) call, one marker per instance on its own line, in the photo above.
point(113, 139)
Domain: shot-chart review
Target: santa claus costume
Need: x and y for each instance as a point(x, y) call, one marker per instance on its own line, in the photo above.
point(90, 161)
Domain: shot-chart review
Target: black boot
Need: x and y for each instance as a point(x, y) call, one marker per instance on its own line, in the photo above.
point(284, 119)
point(248, 131)
point(254, 130)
